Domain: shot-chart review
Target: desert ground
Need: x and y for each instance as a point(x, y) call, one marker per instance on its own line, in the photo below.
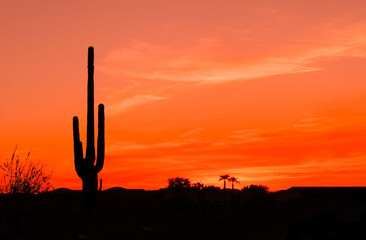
point(296, 213)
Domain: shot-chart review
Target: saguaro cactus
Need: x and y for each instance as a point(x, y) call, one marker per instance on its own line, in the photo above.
point(85, 168)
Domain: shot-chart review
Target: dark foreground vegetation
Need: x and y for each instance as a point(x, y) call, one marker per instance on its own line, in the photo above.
point(297, 213)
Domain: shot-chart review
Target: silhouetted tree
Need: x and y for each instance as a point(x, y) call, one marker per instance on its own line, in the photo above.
point(24, 177)
point(211, 188)
point(258, 189)
point(179, 183)
point(85, 168)
point(233, 180)
point(198, 185)
point(224, 178)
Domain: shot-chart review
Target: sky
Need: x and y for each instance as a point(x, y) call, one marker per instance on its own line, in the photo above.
point(271, 92)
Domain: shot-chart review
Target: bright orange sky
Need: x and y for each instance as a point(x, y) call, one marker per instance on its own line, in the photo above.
point(271, 92)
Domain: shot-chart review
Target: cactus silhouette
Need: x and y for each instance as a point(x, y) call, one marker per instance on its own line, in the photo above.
point(85, 168)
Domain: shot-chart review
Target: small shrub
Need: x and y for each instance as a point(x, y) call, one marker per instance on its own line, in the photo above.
point(197, 186)
point(256, 189)
point(211, 188)
point(24, 177)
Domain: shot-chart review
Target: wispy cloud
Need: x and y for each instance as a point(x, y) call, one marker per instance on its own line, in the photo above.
point(247, 135)
point(308, 169)
point(192, 133)
point(117, 146)
point(125, 104)
point(206, 63)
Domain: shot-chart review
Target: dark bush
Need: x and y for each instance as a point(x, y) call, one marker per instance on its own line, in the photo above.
point(197, 186)
point(256, 189)
point(24, 177)
point(211, 188)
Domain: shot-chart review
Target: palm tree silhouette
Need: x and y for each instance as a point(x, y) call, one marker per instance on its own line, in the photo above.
point(224, 178)
point(233, 180)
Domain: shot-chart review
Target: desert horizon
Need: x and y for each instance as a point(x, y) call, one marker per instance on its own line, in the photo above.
point(172, 119)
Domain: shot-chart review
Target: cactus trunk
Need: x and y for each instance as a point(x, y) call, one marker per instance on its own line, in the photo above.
point(85, 168)
point(90, 150)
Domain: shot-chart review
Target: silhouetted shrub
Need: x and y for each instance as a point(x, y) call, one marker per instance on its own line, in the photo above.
point(211, 188)
point(179, 183)
point(197, 186)
point(256, 197)
point(24, 177)
point(256, 189)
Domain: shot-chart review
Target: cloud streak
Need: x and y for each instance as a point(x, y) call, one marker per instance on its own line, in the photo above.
point(204, 64)
point(137, 100)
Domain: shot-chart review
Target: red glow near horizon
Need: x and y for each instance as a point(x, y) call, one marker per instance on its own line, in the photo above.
point(271, 93)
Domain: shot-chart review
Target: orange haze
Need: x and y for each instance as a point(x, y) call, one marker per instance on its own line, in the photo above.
point(271, 92)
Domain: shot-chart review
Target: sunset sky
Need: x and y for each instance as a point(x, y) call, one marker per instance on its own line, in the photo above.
point(271, 92)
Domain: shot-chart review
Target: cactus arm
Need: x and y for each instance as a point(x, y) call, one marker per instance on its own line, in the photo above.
point(100, 185)
point(78, 148)
point(90, 148)
point(101, 138)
